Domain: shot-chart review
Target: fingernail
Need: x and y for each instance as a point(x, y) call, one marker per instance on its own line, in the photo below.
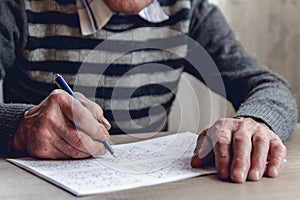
point(254, 175)
point(238, 175)
point(273, 171)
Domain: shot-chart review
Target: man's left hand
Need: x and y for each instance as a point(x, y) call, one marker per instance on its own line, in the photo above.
point(240, 148)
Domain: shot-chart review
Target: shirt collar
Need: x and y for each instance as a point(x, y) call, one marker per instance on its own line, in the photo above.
point(94, 14)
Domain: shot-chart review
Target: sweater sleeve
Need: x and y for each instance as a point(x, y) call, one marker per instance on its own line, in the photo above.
point(253, 90)
point(13, 33)
point(10, 117)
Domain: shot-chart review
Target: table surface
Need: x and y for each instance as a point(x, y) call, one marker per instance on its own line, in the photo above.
point(17, 183)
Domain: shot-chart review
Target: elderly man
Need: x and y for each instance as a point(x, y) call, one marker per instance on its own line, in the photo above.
point(42, 38)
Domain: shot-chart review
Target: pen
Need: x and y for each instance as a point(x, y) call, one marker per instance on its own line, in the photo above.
point(62, 84)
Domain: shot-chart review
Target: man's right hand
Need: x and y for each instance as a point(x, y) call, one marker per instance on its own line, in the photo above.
point(61, 127)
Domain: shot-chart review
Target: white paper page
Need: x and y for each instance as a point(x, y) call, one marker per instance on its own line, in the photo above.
point(138, 164)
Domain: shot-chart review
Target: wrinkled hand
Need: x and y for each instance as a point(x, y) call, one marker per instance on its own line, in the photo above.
point(240, 149)
point(48, 130)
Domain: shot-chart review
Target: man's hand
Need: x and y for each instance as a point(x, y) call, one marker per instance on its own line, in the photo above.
point(240, 149)
point(61, 127)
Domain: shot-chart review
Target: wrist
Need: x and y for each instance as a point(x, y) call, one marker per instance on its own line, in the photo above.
point(18, 143)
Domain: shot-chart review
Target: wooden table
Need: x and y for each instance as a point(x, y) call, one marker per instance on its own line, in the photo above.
point(19, 184)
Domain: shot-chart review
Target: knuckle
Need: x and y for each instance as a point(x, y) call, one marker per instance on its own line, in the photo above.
point(276, 137)
point(261, 129)
point(260, 139)
point(102, 130)
point(56, 94)
point(247, 123)
point(279, 147)
point(248, 120)
point(218, 130)
point(223, 140)
point(239, 139)
point(244, 122)
point(245, 126)
point(43, 135)
point(59, 96)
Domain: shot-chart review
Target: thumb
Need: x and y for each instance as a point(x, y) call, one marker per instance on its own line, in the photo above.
point(203, 153)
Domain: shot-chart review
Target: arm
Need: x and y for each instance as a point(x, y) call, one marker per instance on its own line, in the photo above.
point(241, 146)
point(253, 90)
point(46, 130)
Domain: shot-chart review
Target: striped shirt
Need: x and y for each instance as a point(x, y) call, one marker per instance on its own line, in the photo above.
point(94, 14)
point(136, 90)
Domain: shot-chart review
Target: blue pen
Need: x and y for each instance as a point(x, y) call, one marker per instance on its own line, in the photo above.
point(62, 84)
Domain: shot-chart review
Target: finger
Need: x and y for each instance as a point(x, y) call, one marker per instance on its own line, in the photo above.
point(222, 151)
point(94, 108)
point(277, 155)
point(79, 140)
point(221, 134)
point(105, 122)
point(241, 154)
point(81, 117)
point(203, 154)
point(68, 150)
point(260, 148)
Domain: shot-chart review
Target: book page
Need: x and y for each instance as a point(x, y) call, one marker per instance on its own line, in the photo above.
point(138, 164)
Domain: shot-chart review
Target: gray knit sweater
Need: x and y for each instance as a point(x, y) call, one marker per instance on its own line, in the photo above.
point(253, 90)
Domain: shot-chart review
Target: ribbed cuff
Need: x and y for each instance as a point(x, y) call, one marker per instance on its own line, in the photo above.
point(10, 117)
point(283, 126)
